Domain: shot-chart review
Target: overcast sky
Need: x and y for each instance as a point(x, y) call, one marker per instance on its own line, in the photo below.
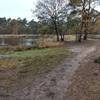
point(18, 8)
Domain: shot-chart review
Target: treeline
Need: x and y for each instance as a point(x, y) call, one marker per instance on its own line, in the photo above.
point(22, 26)
point(17, 26)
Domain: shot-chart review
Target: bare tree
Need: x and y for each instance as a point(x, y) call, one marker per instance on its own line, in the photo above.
point(54, 10)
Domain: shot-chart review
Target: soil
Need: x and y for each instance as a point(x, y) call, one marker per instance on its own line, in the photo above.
point(85, 83)
point(72, 80)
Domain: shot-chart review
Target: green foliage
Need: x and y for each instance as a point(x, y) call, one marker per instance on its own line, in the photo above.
point(33, 27)
point(97, 60)
point(73, 25)
point(44, 29)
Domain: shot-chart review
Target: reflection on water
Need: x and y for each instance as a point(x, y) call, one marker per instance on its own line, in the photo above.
point(27, 42)
point(3, 42)
point(17, 41)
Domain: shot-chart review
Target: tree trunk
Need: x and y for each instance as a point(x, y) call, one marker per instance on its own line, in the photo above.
point(81, 32)
point(82, 22)
point(80, 37)
point(62, 36)
point(85, 35)
point(56, 30)
point(57, 36)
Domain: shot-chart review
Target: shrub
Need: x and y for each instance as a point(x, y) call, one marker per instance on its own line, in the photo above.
point(47, 43)
point(97, 60)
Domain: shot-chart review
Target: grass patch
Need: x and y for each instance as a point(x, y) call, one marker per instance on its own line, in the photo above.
point(40, 60)
point(39, 52)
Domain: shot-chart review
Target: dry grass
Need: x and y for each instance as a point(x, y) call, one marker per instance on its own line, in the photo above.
point(85, 83)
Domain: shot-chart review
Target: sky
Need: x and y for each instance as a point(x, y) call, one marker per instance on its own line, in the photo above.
point(17, 8)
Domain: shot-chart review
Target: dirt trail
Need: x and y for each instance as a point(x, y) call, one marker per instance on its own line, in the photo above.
point(85, 83)
point(53, 85)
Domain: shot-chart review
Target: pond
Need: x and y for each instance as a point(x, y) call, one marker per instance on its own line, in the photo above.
point(13, 41)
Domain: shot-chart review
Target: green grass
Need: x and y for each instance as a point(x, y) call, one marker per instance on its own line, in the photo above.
point(39, 52)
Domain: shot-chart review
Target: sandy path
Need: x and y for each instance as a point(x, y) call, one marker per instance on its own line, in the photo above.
point(85, 83)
